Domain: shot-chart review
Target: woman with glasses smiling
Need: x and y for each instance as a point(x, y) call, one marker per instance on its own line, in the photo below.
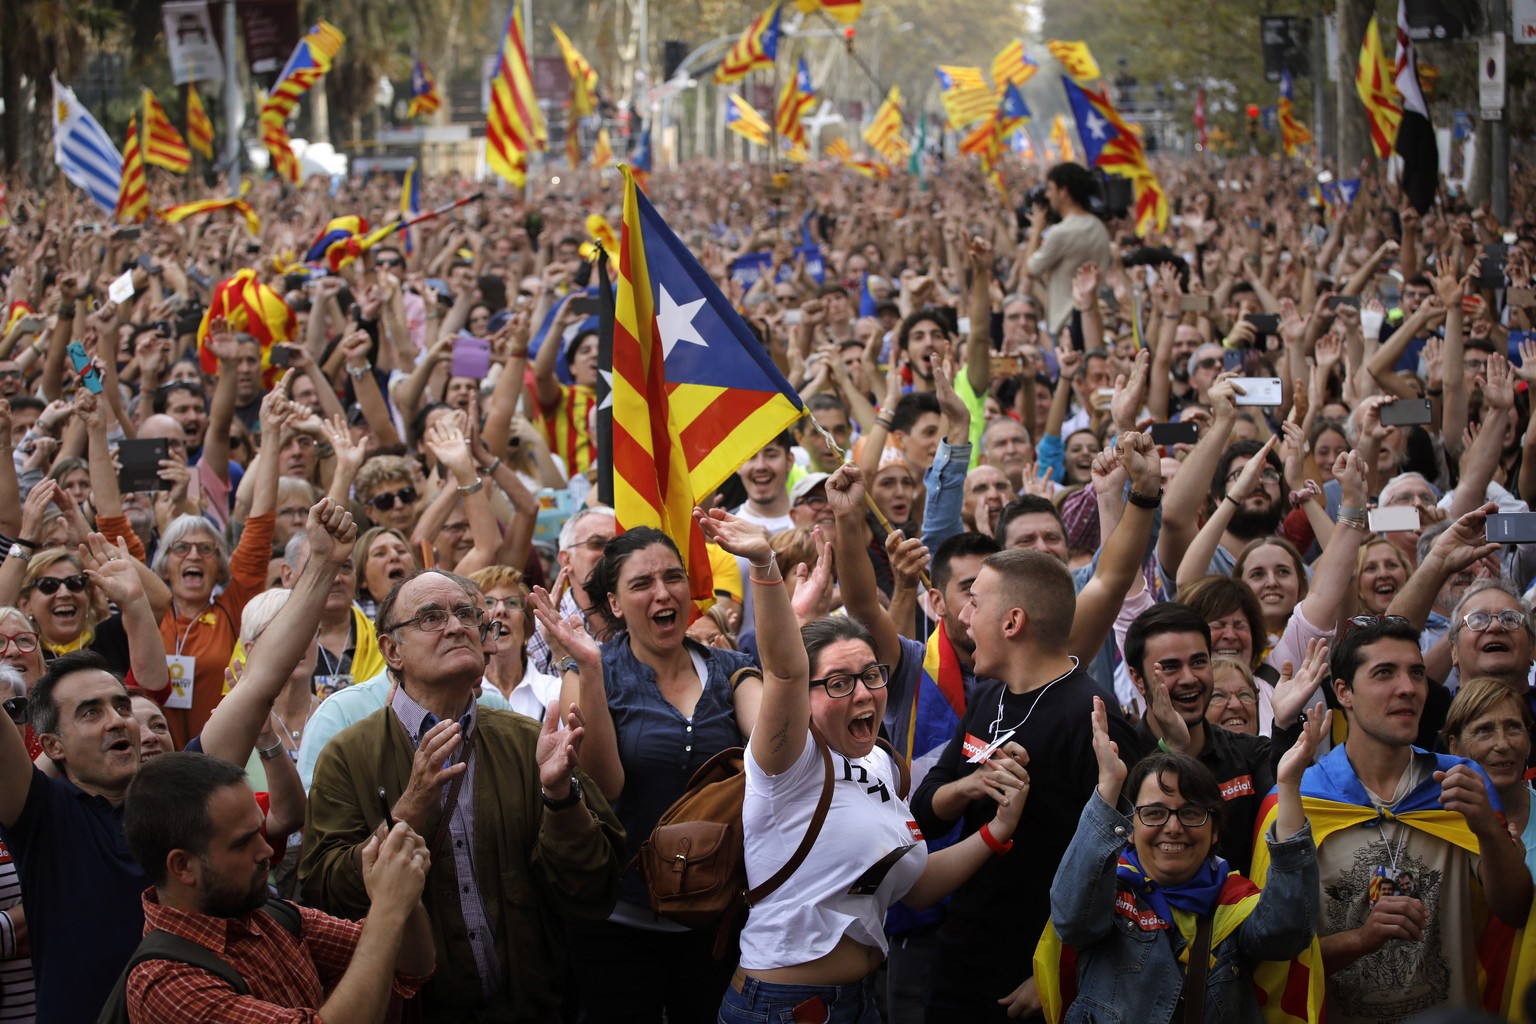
point(814, 943)
point(1141, 889)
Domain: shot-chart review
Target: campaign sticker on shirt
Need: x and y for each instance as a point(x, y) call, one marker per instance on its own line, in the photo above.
point(1234, 788)
point(916, 831)
point(979, 750)
point(182, 668)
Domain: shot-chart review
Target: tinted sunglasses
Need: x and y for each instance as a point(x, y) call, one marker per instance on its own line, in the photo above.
point(385, 502)
point(50, 585)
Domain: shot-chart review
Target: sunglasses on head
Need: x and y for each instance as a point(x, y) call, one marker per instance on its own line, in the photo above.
point(385, 502)
point(50, 585)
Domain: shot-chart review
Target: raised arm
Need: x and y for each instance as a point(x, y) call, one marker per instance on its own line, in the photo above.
point(116, 573)
point(1197, 558)
point(584, 688)
point(231, 731)
point(855, 572)
point(978, 345)
point(785, 714)
point(449, 444)
point(1458, 547)
point(1333, 573)
point(365, 387)
point(1480, 459)
point(1190, 485)
point(1121, 555)
point(221, 409)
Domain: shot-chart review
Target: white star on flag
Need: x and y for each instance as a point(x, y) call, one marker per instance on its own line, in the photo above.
point(675, 321)
point(1097, 125)
point(607, 376)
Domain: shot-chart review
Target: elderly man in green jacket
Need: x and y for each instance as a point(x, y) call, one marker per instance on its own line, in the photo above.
point(520, 839)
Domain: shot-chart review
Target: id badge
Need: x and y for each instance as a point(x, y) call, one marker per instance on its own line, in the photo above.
point(182, 668)
point(1389, 881)
point(325, 686)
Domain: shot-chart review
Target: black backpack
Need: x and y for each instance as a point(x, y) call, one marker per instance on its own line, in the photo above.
point(159, 945)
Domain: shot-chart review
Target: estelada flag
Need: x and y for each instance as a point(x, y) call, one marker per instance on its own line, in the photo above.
point(694, 395)
point(249, 307)
point(1335, 801)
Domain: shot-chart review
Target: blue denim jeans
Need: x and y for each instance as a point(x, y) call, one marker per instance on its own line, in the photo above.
point(762, 1002)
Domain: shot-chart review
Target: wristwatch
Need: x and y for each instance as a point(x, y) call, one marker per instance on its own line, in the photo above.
point(17, 551)
point(571, 799)
point(474, 488)
point(359, 372)
point(276, 750)
point(569, 665)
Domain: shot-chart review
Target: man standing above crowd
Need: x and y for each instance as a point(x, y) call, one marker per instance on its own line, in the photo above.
point(520, 838)
point(1053, 256)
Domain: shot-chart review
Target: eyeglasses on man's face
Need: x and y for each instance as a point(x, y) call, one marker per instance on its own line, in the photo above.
point(435, 620)
point(1480, 620)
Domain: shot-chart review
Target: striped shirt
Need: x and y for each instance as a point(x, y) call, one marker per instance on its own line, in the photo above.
point(565, 425)
point(17, 988)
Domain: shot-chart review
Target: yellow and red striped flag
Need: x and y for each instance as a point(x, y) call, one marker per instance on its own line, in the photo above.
point(199, 128)
point(694, 393)
point(884, 131)
point(583, 76)
point(133, 194)
point(513, 126)
point(794, 102)
point(758, 47)
point(250, 307)
point(1075, 58)
point(425, 97)
point(162, 143)
point(845, 11)
point(965, 94)
point(310, 61)
point(743, 119)
point(839, 150)
point(602, 153)
point(1374, 81)
point(1292, 132)
point(1061, 138)
point(180, 212)
point(1012, 65)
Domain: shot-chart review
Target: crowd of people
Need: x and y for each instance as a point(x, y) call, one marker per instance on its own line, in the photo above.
point(1135, 627)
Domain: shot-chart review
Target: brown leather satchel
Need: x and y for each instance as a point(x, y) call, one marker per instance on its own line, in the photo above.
point(695, 859)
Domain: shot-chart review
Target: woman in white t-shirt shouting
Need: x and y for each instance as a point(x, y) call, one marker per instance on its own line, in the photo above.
point(813, 945)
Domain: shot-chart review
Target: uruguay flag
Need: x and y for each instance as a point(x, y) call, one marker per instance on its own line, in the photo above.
point(84, 151)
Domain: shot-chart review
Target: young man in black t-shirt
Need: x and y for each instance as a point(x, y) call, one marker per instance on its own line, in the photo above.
point(1020, 616)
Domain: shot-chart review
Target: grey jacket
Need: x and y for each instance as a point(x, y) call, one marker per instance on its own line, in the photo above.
point(1125, 973)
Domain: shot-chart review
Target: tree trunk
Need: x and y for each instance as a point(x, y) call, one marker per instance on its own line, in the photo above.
point(1354, 135)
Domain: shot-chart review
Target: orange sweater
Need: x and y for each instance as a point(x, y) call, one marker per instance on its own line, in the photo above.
point(210, 638)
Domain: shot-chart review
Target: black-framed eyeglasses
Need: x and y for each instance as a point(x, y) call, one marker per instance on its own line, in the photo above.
point(49, 585)
point(1156, 815)
point(388, 261)
point(1480, 620)
point(841, 685)
point(1269, 476)
point(386, 501)
point(435, 620)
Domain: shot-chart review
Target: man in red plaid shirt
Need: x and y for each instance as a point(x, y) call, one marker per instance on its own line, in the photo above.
point(194, 827)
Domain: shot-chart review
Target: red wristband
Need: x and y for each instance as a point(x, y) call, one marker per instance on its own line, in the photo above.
point(991, 841)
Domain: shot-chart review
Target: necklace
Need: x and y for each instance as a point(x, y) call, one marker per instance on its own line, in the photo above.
point(997, 722)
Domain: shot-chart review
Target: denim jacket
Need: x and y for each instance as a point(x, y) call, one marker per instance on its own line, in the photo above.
point(1127, 974)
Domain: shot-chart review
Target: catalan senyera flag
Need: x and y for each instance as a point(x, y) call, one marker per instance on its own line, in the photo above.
point(180, 212)
point(1292, 132)
point(838, 149)
point(1287, 991)
point(1336, 802)
point(310, 61)
point(758, 47)
point(965, 94)
point(794, 102)
point(884, 131)
point(249, 307)
point(513, 126)
point(14, 312)
point(1008, 115)
point(410, 204)
point(162, 143)
point(1061, 138)
point(845, 11)
point(573, 145)
point(1374, 76)
point(133, 196)
point(199, 128)
point(1012, 64)
point(1110, 143)
point(1075, 58)
point(694, 392)
point(425, 98)
point(743, 119)
point(583, 75)
point(602, 151)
